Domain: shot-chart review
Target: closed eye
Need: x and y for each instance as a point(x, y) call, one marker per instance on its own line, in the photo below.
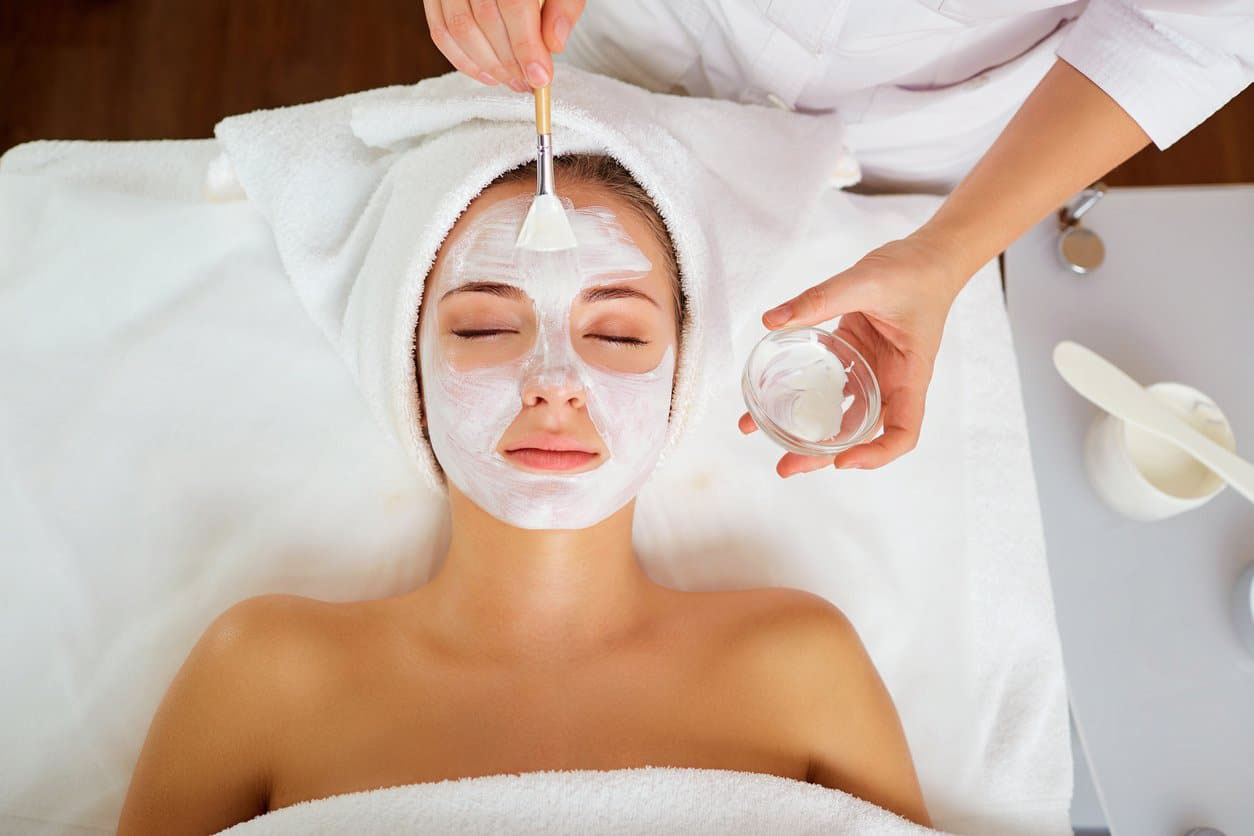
point(474, 333)
point(632, 341)
point(477, 333)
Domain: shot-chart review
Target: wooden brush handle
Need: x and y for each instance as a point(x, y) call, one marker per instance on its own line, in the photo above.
point(543, 125)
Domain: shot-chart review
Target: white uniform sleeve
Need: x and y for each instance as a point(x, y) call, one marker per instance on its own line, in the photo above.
point(1168, 63)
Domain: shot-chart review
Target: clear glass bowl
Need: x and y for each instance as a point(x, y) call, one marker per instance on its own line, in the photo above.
point(810, 391)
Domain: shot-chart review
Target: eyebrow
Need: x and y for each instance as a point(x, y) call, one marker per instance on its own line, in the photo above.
point(591, 294)
point(598, 294)
point(507, 291)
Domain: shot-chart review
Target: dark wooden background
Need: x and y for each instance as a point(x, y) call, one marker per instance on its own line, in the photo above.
point(166, 69)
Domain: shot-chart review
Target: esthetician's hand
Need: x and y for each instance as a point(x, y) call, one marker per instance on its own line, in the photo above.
point(893, 305)
point(502, 41)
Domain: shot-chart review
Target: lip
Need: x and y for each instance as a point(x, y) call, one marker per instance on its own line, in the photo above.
point(550, 459)
point(551, 452)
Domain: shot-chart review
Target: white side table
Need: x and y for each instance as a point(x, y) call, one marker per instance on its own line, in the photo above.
point(1162, 690)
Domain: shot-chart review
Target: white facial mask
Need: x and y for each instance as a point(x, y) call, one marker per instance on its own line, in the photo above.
point(468, 412)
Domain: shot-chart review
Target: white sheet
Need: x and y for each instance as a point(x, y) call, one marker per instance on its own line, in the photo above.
point(200, 442)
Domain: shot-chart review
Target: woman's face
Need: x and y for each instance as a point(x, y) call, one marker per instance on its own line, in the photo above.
point(552, 365)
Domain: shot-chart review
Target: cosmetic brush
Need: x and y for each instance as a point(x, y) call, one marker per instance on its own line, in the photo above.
point(546, 226)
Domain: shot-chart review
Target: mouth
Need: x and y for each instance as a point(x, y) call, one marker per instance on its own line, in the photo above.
point(553, 453)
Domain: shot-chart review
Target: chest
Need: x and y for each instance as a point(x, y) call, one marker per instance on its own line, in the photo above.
point(460, 720)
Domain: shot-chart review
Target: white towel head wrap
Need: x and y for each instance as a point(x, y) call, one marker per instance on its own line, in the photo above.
point(360, 192)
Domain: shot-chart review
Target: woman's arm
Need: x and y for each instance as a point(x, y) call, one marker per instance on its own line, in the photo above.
point(1129, 71)
point(854, 735)
point(1067, 134)
point(202, 766)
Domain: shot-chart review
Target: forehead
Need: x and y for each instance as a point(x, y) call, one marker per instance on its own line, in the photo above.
point(614, 242)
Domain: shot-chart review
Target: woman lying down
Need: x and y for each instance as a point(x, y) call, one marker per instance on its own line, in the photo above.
point(539, 643)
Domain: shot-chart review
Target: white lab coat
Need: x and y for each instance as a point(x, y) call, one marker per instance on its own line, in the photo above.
point(925, 86)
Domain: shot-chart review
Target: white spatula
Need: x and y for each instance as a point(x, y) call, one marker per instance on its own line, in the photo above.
point(1106, 385)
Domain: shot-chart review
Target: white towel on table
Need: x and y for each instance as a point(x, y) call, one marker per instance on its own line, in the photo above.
point(617, 802)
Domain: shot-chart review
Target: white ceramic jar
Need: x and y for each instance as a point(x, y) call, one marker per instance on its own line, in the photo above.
point(1146, 477)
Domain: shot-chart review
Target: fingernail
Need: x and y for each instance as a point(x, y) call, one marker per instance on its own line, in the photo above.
point(780, 315)
point(488, 79)
point(561, 29)
point(537, 75)
point(517, 86)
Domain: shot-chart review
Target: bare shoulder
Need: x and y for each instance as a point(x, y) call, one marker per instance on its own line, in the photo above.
point(219, 724)
point(290, 653)
point(256, 628)
point(789, 638)
point(267, 611)
point(784, 619)
point(820, 675)
point(824, 663)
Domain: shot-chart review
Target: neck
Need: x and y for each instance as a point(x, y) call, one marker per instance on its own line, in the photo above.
point(510, 591)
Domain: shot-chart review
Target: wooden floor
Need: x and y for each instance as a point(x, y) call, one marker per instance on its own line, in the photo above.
point(153, 69)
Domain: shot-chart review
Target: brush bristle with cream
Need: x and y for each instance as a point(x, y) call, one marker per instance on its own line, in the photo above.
point(546, 226)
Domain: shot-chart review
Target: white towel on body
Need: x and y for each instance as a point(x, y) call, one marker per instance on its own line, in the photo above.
point(618, 802)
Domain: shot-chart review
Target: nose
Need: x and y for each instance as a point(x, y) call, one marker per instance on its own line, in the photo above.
point(554, 387)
